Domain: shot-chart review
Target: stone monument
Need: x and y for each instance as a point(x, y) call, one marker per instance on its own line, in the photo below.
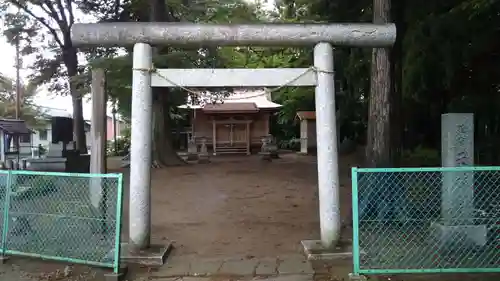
point(273, 147)
point(457, 150)
point(52, 161)
point(204, 156)
point(192, 154)
point(265, 151)
point(457, 191)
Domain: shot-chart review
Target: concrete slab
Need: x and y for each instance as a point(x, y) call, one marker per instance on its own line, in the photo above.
point(239, 267)
point(154, 256)
point(295, 265)
point(205, 267)
point(470, 236)
point(267, 267)
point(314, 250)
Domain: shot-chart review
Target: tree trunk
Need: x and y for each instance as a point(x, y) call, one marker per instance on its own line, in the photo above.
point(71, 62)
point(163, 151)
point(397, 123)
point(378, 140)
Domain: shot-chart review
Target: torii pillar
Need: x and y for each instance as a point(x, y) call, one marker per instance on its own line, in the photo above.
point(322, 36)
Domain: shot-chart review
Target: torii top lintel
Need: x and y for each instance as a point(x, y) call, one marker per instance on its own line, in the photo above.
point(271, 34)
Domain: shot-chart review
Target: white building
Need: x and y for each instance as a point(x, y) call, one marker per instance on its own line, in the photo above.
point(44, 136)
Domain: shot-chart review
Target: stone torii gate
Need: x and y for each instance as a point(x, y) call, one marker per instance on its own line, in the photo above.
point(144, 35)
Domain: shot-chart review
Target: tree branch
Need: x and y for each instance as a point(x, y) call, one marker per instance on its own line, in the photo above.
point(52, 12)
point(64, 20)
point(39, 19)
point(116, 10)
point(61, 21)
point(45, 10)
point(69, 3)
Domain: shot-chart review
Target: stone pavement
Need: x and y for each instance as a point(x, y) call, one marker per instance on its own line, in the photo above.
point(182, 268)
point(246, 266)
point(274, 278)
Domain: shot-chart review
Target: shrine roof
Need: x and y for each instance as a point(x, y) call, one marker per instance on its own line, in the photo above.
point(306, 115)
point(230, 107)
point(261, 98)
point(14, 127)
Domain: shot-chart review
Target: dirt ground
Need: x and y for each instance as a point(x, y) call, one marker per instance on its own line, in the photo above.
point(242, 206)
point(238, 206)
point(232, 207)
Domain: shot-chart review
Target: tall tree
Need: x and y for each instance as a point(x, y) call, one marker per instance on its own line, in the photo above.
point(56, 58)
point(31, 113)
point(397, 54)
point(379, 111)
point(163, 151)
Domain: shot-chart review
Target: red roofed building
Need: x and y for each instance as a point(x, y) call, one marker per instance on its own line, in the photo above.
point(236, 124)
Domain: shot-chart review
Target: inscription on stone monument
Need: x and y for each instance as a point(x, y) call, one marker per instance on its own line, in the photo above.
point(457, 151)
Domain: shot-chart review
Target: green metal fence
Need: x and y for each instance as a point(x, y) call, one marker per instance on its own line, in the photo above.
point(426, 220)
point(62, 216)
point(4, 182)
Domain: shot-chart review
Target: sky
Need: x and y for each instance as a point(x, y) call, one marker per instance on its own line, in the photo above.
point(7, 67)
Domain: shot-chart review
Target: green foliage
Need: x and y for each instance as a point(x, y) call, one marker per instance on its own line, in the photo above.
point(122, 146)
point(30, 113)
point(448, 62)
point(42, 28)
point(422, 157)
point(290, 144)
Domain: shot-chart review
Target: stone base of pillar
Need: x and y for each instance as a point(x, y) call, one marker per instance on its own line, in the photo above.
point(153, 256)
point(314, 250)
point(470, 236)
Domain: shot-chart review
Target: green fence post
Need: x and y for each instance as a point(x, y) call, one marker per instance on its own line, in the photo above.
point(118, 228)
point(355, 222)
point(5, 230)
